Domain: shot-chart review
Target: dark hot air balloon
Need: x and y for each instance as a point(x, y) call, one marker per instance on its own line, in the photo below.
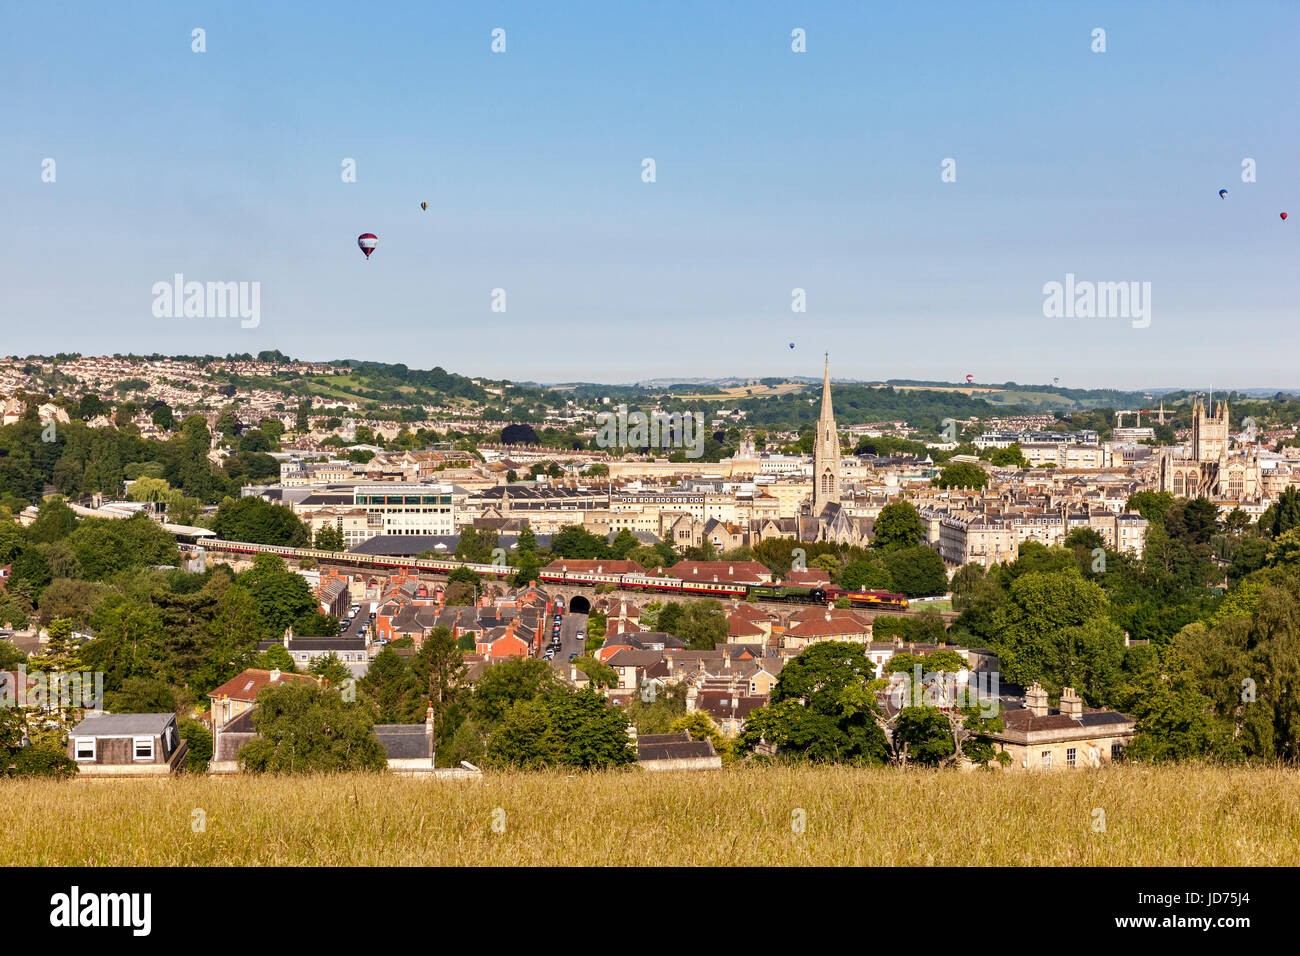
point(1223, 194)
point(424, 206)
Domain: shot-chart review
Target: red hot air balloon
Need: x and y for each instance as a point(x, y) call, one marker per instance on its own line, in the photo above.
point(970, 379)
point(1284, 215)
point(367, 241)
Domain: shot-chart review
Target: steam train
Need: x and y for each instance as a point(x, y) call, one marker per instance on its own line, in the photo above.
point(882, 600)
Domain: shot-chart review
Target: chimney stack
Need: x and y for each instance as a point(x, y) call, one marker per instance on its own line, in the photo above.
point(1036, 700)
point(1071, 703)
point(275, 675)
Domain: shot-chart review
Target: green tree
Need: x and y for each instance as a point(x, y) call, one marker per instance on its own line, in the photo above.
point(392, 689)
point(917, 571)
point(476, 546)
point(330, 538)
point(867, 575)
point(1151, 505)
point(283, 598)
point(43, 761)
point(1027, 630)
point(438, 671)
point(142, 695)
point(330, 667)
point(1174, 720)
point(576, 542)
point(257, 521)
point(600, 675)
point(624, 542)
point(504, 684)
point(897, 526)
point(306, 729)
point(700, 726)
point(961, 474)
point(162, 417)
point(1285, 513)
point(822, 708)
point(702, 624)
point(922, 734)
point(562, 729)
point(54, 522)
point(1006, 457)
point(198, 739)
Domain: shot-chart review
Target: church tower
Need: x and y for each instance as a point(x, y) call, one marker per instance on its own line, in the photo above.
point(826, 451)
point(1209, 430)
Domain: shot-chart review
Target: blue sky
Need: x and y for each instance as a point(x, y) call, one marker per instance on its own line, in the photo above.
point(775, 170)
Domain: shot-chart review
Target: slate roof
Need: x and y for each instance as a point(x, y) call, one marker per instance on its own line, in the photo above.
point(1024, 720)
point(404, 741)
point(672, 747)
point(408, 545)
point(123, 725)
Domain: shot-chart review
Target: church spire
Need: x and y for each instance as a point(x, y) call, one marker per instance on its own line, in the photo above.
point(826, 450)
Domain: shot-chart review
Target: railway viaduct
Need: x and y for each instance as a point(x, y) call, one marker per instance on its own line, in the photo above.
point(575, 597)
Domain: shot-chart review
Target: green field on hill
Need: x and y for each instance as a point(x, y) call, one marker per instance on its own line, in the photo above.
point(1121, 815)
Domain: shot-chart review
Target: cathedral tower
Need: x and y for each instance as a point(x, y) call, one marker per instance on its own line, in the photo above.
point(1209, 431)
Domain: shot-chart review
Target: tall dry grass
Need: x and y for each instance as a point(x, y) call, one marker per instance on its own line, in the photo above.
point(1153, 815)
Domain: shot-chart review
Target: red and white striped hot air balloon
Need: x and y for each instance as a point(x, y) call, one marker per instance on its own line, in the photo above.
point(367, 241)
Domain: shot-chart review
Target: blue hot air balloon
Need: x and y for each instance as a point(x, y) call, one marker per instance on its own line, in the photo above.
point(1223, 194)
point(791, 345)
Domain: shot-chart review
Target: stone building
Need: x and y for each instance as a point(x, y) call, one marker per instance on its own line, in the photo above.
point(1206, 468)
point(1038, 737)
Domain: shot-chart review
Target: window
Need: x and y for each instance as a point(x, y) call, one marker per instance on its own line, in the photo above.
point(1116, 751)
point(143, 748)
point(85, 748)
point(1071, 756)
point(1047, 760)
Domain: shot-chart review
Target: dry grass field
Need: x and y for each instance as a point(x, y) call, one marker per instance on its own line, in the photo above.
point(890, 817)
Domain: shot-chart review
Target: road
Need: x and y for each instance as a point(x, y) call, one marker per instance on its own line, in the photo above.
point(570, 643)
point(358, 626)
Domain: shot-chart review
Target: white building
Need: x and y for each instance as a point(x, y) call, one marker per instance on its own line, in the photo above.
point(409, 508)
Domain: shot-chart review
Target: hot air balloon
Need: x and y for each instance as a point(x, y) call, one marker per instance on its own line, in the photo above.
point(1056, 381)
point(1223, 194)
point(791, 345)
point(1284, 215)
point(367, 241)
point(424, 206)
point(970, 379)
